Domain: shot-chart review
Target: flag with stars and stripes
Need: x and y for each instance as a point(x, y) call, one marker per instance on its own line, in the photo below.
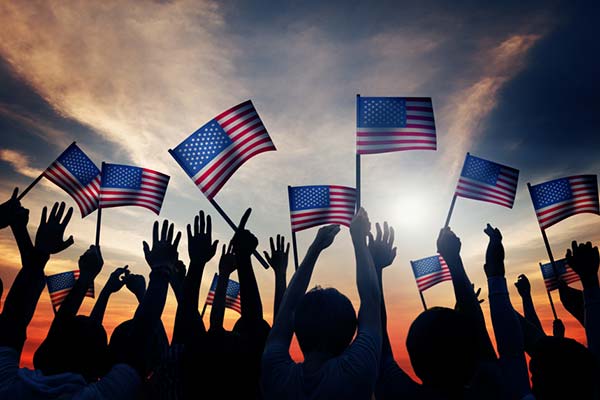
point(77, 175)
point(565, 274)
point(59, 286)
point(214, 152)
point(556, 200)
point(124, 185)
point(430, 271)
point(488, 181)
point(386, 124)
point(232, 295)
point(318, 205)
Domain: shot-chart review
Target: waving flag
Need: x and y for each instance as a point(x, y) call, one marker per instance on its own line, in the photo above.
point(488, 181)
point(59, 286)
point(430, 271)
point(386, 124)
point(214, 152)
point(556, 200)
point(565, 273)
point(124, 185)
point(77, 175)
point(232, 296)
point(318, 205)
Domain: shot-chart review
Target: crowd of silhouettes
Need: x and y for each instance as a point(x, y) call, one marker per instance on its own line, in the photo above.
point(346, 355)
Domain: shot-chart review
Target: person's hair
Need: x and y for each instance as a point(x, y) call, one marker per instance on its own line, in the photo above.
point(442, 346)
point(562, 368)
point(324, 321)
point(120, 347)
point(78, 344)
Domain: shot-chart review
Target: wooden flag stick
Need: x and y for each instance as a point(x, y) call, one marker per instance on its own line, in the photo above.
point(423, 300)
point(294, 245)
point(234, 227)
point(450, 211)
point(98, 224)
point(357, 161)
point(31, 185)
point(552, 305)
point(216, 276)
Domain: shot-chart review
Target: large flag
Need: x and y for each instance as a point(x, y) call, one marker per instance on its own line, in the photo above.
point(385, 124)
point(556, 200)
point(488, 181)
point(565, 273)
point(77, 175)
point(124, 185)
point(232, 296)
point(430, 271)
point(318, 205)
point(59, 286)
point(214, 152)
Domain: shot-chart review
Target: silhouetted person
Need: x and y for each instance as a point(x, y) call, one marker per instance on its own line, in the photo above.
point(335, 366)
point(524, 288)
point(278, 260)
point(572, 301)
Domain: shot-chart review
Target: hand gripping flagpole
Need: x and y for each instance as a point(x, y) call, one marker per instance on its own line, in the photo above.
point(357, 158)
point(453, 202)
point(549, 251)
point(294, 245)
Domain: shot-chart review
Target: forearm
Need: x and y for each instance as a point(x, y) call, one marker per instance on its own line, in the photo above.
point(367, 282)
point(99, 309)
point(249, 294)
point(531, 333)
point(592, 318)
point(151, 308)
point(191, 285)
point(280, 285)
point(74, 299)
point(187, 317)
point(572, 300)
point(217, 312)
point(530, 313)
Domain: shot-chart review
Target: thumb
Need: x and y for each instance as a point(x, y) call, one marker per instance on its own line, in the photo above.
point(67, 243)
point(146, 248)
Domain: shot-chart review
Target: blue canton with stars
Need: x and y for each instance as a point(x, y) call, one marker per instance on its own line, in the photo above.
point(552, 192)
point(548, 271)
point(121, 176)
point(381, 112)
point(307, 197)
point(79, 165)
point(201, 147)
point(481, 170)
point(61, 281)
point(426, 266)
point(233, 288)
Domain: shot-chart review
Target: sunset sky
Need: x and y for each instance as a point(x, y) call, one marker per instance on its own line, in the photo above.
point(515, 82)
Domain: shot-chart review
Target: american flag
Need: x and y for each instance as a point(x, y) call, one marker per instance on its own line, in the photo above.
point(488, 181)
point(386, 124)
point(430, 271)
point(565, 273)
point(214, 152)
point(232, 296)
point(124, 185)
point(59, 286)
point(556, 200)
point(317, 205)
point(77, 175)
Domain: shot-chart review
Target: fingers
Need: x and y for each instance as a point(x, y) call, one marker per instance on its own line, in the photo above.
point(44, 215)
point(244, 219)
point(54, 209)
point(267, 256)
point(67, 218)
point(273, 244)
point(67, 243)
point(177, 239)
point(378, 228)
point(164, 229)
point(170, 233)
point(196, 222)
point(230, 248)
point(202, 223)
point(223, 250)
point(15, 194)
point(189, 232)
point(209, 228)
point(146, 248)
point(574, 246)
point(386, 231)
point(287, 249)
point(155, 232)
point(392, 234)
point(370, 239)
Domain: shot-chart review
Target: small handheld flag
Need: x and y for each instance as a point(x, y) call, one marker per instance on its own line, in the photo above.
point(124, 185)
point(232, 295)
point(556, 200)
point(214, 152)
point(59, 286)
point(430, 271)
point(76, 174)
point(565, 274)
point(318, 205)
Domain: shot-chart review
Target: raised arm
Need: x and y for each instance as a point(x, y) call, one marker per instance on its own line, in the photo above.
point(572, 301)
point(507, 328)
point(226, 268)
point(136, 285)
point(201, 249)
point(283, 326)
point(278, 260)
point(448, 245)
point(524, 288)
point(115, 282)
point(585, 260)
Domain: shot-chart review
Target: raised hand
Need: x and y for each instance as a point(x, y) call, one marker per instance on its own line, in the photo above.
point(136, 285)
point(163, 253)
point(8, 209)
point(360, 227)
point(523, 286)
point(49, 238)
point(584, 259)
point(448, 245)
point(117, 279)
point(90, 263)
point(227, 263)
point(278, 259)
point(558, 328)
point(244, 242)
point(494, 256)
point(201, 248)
point(381, 247)
point(325, 237)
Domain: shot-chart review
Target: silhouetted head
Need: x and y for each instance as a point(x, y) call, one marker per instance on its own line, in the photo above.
point(562, 368)
point(121, 344)
point(324, 322)
point(441, 343)
point(77, 345)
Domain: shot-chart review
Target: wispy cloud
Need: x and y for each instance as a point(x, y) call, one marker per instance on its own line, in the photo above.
point(20, 162)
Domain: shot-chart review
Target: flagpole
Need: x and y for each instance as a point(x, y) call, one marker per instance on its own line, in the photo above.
point(451, 210)
point(550, 299)
point(203, 310)
point(423, 300)
point(234, 227)
point(98, 224)
point(546, 243)
point(294, 245)
point(357, 161)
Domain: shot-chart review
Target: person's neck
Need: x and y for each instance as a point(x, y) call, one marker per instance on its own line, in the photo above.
point(313, 361)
